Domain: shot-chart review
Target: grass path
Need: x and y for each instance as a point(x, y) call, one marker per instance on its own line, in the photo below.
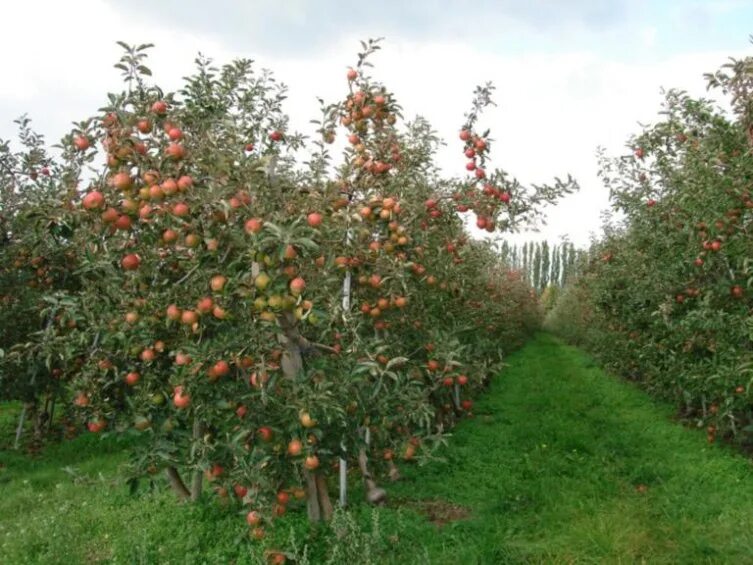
point(564, 464)
point(561, 464)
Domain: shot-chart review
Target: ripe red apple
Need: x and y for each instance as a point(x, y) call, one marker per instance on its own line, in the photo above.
point(182, 359)
point(217, 283)
point(159, 107)
point(465, 135)
point(253, 225)
point(132, 378)
point(144, 126)
point(265, 434)
point(275, 135)
point(189, 317)
point(155, 192)
point(175, 151)
point(221, 368)
point(241, 411)
point(240, 491)
point(737, 291)
point(148, 355)
point(352, 74)
point(462, 380)
point(122, 181)
point(314, 219)
point(81, 400)
point(205, 305)
point(81, 142)
point(175, 134)
point(169, 236)
point(180, 398)
point(297, 286)
point(123, 223)
point(131, 262)
point(253, 518)
point(96, 426)
point(295, 447)
point(93, 200)
point(311, 462)
point(173, 312)
point(181, 209)
point(185, 182)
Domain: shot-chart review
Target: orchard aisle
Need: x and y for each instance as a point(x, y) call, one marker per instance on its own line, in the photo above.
point(566, 464)
point(561, 464)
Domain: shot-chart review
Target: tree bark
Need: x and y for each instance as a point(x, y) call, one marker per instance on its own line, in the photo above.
point(394, 471)
point(177, 484)
point(325, 504)
point(374, 494)
point(197, 481)
point(52, 415)
point(312, 498)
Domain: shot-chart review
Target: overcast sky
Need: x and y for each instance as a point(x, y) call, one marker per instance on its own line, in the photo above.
point(571, 75)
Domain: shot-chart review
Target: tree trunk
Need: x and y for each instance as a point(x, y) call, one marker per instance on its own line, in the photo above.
point(52, 415)
point(41, 419)
point(197, 481)
point(177, 484)
point(394, 471)
point(374, 494)
point(312, 498)
point(325, 504)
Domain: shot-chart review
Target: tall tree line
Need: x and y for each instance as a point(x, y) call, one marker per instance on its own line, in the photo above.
point(543, 263)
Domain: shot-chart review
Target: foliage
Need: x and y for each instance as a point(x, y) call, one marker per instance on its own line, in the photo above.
point(251, 321)
point(665, 296)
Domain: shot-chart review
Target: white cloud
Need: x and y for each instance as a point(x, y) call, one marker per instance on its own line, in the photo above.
point(554, 109)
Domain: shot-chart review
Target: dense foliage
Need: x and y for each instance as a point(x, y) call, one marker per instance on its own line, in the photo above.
point(253, 318)
point(665, 296)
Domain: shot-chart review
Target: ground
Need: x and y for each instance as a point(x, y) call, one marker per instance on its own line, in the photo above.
point(561, 463)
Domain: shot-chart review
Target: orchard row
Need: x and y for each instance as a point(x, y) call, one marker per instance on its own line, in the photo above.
point(259, 319)
point(665, 297)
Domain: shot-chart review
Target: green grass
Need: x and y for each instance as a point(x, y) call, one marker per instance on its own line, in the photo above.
point(546, 471)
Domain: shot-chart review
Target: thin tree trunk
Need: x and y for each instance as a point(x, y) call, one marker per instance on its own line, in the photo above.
point(374, 494)
point(325, 504)
point(197, 481)
point(177, 484)
point(52, 415)
point(394, 471)
point(312, 498)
